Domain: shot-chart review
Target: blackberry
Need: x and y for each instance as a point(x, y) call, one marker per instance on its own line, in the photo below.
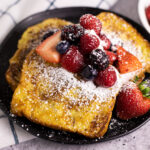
point(99, 59)
point(88, 72)
point(49, 33)
point(62, 47)
point(72, 33)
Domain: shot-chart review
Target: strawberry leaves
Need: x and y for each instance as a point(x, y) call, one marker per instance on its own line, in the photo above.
point(145, 88)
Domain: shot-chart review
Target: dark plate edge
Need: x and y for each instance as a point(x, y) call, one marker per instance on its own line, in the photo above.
point(65, 8)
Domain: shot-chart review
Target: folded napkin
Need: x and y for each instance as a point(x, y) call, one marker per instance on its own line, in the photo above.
point(13, 11)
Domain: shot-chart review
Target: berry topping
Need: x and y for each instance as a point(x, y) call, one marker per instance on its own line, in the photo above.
point(47, 49)
point(99, 59)
point(88, 43)
point(147, 11)
point(62, 47)
point(48, 34)
point(72, 60)
point(105, 42)
point(90, 22)
point(106, 78)
point(88, 72)
point(112, 57)
point(113, 48)
point(131, 103)
point(72, 33)
point(126, 61)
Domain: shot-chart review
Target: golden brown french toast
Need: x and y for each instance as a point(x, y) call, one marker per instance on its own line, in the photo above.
point(30, 39)
point(51, 96)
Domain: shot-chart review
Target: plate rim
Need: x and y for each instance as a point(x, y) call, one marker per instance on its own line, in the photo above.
point(58, 9)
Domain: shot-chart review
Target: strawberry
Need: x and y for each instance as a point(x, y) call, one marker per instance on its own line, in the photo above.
point(112, 56)
point(72, 60)
point(106, 78)
point(147, 11)
point(47, 49)
point(126, 61)
point(131, 103)
point(88, 21)
point(88, 43)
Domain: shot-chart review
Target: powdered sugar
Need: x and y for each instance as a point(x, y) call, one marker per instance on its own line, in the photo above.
point(74, 89)
point(128, 85)
point(126, 44)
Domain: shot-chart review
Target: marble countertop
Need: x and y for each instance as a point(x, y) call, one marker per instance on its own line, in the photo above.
point(138, 140)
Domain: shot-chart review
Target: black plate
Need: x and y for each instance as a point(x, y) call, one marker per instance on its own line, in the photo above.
point(117, 128)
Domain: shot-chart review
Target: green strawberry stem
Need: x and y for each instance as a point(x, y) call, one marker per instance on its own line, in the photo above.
point(136, 79)
point(145, 88)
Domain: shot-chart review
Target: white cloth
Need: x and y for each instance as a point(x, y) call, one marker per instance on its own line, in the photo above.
point(13, 11)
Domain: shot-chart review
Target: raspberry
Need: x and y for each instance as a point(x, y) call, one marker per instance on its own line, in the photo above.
point(106, 78)
point(88, 43)
point(72, 33)
point(99, 59)
point(90, 22)
point(105, 42)
point(147, 11)
point(72, 60)
point(88, 72)
point(112, 56)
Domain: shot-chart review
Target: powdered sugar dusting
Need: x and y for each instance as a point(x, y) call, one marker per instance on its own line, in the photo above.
point(72, 88)
point(127, 45)
point(128, 85)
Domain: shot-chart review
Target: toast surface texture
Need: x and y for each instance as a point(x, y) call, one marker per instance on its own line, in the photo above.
point(30, 39)
point(40, 98)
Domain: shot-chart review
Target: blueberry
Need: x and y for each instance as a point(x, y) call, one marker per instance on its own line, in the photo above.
point(88, 72)
point(99, 59)
point(62, 47)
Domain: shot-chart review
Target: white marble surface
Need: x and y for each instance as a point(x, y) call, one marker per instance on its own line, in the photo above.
point(138, 140)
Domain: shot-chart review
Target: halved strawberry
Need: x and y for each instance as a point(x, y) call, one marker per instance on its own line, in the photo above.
point(126, 61)
point(47, 49)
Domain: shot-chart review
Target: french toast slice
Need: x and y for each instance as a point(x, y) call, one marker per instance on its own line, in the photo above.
point(53, 97)
point(45, 96)
point(30, 39)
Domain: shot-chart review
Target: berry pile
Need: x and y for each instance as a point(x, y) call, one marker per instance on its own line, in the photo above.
point(83, 49)
point(80, 52)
